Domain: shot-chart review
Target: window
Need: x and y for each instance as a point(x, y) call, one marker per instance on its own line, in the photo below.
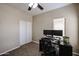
point(59, 24)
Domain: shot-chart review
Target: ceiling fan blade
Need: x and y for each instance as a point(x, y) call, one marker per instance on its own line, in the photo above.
point(29, 8)
point(40, 7)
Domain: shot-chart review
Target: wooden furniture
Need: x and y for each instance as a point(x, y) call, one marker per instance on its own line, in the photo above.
point(59, 50)
point(65, 50)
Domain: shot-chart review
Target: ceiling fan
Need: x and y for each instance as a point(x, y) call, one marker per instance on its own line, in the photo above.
point(34, 5)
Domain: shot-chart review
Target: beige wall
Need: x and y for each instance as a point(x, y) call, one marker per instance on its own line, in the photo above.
point(9, 26)
point(78, 25)
point(44, 21)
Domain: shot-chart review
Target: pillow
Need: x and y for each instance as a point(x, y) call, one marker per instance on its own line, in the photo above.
point(58, 37)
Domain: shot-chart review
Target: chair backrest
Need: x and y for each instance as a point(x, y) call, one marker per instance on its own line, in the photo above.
point(47, 44)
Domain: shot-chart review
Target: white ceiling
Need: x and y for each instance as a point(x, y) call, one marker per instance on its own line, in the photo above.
point(36, 11)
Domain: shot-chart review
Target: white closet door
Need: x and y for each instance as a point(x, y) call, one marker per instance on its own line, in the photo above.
point(25, 32)
point(29, 32)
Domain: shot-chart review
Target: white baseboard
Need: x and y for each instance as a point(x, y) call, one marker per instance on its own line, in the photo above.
point(13, 49)
point(76, 53)
point(9, 50)
point(25, 43)
point(36, 42)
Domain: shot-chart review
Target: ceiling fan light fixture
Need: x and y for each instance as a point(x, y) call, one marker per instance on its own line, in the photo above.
point(31, 4)
point(35, 5)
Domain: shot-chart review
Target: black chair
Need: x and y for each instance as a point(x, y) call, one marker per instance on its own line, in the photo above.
point(47, 48)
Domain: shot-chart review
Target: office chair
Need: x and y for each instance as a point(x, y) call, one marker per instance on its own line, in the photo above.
point(48, 49)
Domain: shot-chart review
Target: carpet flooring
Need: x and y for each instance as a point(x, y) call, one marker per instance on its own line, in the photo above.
point(30, 49)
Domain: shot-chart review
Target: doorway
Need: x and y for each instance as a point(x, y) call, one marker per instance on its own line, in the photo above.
point(25, 32)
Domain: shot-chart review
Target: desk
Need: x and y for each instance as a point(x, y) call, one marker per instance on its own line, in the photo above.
point(64, 50)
